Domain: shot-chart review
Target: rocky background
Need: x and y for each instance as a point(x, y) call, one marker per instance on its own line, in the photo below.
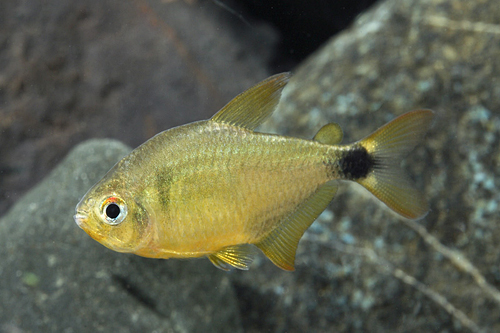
point(127, 70)
point(73, 70)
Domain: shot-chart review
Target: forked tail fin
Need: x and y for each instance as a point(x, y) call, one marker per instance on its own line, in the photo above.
point(387, 146)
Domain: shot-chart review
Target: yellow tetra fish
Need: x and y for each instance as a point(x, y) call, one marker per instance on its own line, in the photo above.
point(216, 188)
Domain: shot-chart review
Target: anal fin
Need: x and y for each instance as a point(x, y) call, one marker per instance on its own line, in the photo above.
point(235, 256)
point(280, 245)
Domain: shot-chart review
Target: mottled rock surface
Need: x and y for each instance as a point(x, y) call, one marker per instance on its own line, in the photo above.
point(54, 278)
point(400, 56)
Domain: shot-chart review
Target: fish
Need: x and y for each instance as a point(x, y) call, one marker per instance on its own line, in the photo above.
point(219, 189)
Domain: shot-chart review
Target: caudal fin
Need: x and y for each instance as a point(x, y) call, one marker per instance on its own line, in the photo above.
point(387, 146)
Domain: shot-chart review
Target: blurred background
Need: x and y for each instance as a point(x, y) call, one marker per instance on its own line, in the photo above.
point(70, 70)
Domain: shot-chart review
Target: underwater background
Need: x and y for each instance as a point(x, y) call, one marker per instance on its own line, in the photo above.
point(82, 83)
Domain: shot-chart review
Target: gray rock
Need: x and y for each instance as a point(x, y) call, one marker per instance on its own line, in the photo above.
point(74, 70)
point(55, 278)
point(399, 56)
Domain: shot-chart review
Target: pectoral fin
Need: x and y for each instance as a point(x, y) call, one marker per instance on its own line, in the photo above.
point(281, 244)
point(236, 256)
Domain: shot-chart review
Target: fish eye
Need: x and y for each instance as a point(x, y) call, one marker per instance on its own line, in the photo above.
point(113, 210)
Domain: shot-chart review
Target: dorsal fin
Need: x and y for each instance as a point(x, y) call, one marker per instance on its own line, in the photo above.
point(281, 244)
point(237, 256)
point(330, 134)
point(250, 108)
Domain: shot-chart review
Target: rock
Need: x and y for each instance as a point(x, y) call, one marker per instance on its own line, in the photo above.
point(55, 278)
point(360, 267)
point(74, 70)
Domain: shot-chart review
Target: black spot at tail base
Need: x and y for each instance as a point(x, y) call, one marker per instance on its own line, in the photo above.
point(356, 163)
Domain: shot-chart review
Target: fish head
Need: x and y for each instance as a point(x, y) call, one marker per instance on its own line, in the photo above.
point(111, 215)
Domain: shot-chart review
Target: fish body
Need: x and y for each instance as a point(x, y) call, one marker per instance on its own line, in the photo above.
point(216, 188)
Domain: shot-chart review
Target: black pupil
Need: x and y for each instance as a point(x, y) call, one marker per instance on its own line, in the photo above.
point(112, 211)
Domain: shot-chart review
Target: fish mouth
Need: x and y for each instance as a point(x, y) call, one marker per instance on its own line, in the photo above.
point(80, 219)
